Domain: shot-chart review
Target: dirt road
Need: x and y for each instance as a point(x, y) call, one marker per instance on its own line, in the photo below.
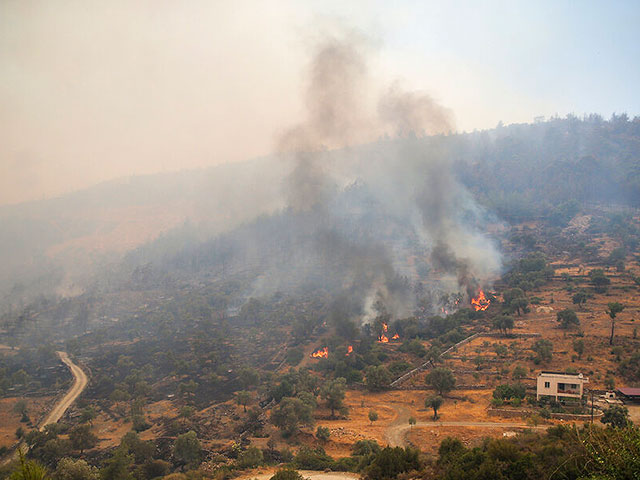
point(308, 474)
point(79, 383)
point(397, 431)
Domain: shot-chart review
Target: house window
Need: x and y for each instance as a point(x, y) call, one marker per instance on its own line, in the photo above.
point(574, 386)
point(547, 385)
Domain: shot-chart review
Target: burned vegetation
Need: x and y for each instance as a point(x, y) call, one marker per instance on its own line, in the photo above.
point(411, 287)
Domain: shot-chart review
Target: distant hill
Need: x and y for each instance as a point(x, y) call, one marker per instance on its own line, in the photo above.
point(51, 246)
point(547, 170)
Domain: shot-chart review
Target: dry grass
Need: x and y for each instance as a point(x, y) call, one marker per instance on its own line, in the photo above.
point(10, 421)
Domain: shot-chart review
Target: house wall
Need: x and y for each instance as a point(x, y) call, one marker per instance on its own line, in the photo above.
point(553, 382)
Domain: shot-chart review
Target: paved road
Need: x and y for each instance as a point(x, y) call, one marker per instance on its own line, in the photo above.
point(396, 432)
point(79, 383)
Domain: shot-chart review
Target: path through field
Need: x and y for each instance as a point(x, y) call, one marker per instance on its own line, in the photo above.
point(397, 431)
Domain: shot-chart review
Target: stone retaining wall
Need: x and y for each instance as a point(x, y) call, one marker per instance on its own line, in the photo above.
point(509, 413)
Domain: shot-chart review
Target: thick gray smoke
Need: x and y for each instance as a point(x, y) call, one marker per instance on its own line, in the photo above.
point(409, 181)
point(335, 118)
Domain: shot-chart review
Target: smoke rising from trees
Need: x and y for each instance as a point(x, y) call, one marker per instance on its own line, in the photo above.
point(415, 186)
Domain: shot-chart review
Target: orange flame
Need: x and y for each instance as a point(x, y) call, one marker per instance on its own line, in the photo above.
point(395, 337)
point(349, 350)
point(383, 339)
point(322, 353)
point(384, 327)
point(480, 303)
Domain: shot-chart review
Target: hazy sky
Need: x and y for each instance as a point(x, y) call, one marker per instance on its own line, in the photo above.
point(92, 90)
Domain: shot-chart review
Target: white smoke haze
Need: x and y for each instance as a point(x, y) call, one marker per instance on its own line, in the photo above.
point(414, 185)
point(365, 177)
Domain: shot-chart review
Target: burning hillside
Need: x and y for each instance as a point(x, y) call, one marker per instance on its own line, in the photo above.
point(322, 353)
point(480, 302)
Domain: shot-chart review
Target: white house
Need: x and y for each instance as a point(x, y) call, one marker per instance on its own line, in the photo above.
point(559, 384)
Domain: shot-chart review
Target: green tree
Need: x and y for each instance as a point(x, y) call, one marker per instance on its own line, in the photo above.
point(519, 372)
point(249, 377)
point(70, 469)
point(117, 467)
point(504, 323)
point(617, 416)
point(578, 347)
point(390, 463)
point(599, 280)
point(512, 294)
point(252, 457)
point(441, 379)
point(613, 309)
point(139, 423)
point(567, 318)
point(580, 298)
point(373, 416)
point(88, 414)
point(82, 438)
point(187, 449)
point(544, 351)
point(333, 392)
point(187, 411)
point(287, 474)
point(290, 414)
point(412, 421)
point(610, 382)
point(323, 433)
point(378, 378)
point(155, 469)
point(519, 305)
point(20, 407)
point(243, 398)
point(434, 402)
point(142, 450)
point(28, 470)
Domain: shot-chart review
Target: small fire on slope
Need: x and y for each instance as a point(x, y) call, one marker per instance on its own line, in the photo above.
point(383, 338)
point(395, 337)
point(384, 327)
point(322, 353)
point(349, 351)
point(480, 302)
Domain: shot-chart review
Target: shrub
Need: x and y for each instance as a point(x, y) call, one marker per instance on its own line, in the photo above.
point(389, 463)
point(313, 459)
point(250, 458)
point(287, 474)
point(323, 433)
point(507, 391)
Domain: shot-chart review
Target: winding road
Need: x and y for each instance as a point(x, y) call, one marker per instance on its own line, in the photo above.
point(80, 381)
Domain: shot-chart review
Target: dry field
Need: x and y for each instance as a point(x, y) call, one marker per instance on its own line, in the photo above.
point(37, 407)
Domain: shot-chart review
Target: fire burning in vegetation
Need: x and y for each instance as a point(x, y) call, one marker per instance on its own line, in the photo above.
point(383, 338)
point(384, 327)
point(480, 302)
point(322, 353)
point(395, 337)
point(349, 350)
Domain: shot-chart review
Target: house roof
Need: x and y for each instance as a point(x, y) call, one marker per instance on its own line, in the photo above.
point(629, 391)
point(579, 375)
